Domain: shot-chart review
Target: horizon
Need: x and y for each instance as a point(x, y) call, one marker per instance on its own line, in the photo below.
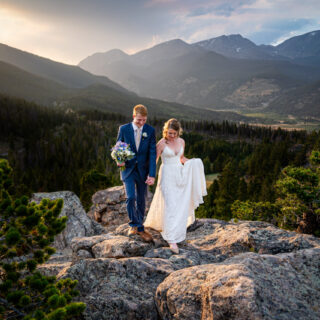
point(70, 32)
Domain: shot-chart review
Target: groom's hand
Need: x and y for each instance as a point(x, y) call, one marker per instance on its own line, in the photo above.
point(150, 181)
point(121, 164)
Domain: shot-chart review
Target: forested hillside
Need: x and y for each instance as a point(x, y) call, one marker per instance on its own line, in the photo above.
point(52, 150)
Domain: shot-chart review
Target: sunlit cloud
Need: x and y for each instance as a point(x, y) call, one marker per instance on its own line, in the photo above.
point(71, 30)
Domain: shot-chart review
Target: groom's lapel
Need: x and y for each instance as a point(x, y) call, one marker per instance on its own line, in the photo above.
point(133, 142)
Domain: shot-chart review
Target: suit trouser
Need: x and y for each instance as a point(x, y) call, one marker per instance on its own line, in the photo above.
point(136, 194)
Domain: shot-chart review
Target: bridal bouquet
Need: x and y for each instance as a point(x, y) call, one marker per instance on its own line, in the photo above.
point(121, 152)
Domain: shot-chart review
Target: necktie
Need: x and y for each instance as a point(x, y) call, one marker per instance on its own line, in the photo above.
point(138, 138)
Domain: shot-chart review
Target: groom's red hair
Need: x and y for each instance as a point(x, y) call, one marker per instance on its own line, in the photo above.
point(140, 109)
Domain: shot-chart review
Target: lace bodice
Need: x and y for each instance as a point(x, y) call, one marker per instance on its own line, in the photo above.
point(169, 157)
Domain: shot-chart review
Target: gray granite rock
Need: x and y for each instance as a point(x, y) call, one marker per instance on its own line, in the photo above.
point(119, 288)
point(109, 246)
point(157, 239)
point(109, 207)
point(57, 262)
point(118, 275)
point(78, 224)
point(225, 240)
point(249, 286)
point(119, 247)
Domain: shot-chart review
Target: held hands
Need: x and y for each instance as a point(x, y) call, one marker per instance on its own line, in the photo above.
point(120, 164)
point(150, 181)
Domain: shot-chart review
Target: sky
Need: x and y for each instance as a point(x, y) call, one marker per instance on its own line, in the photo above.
point(70, 30)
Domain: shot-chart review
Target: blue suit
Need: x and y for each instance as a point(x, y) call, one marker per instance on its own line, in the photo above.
point(137, 170)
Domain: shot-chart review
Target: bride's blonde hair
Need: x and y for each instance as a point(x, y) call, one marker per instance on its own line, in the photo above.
point(173, 124)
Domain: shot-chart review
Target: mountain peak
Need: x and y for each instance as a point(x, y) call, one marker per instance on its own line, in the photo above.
point(96, 61)
point(233, 36)
point(305, 45)
point(166, 50)
point(115, 51)
point(234, 46)
point(171, 43)
point(178, 41)
point(313, 33)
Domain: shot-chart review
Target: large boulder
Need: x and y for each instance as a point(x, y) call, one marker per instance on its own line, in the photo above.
point(108, 246)
point(78, 224)
point(227, 239)
point(109, 207)
point(247, 287)
point(119, 288)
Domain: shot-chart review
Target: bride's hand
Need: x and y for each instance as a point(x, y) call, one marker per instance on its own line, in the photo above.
point(183, 160)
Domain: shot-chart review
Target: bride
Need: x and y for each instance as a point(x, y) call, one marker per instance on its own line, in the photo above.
point(181, 186)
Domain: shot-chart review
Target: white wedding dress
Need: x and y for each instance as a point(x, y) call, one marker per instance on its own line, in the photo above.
point(180, 190)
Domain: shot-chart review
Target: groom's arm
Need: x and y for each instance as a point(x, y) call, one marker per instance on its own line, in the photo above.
point(120, 134)
point(152, 155)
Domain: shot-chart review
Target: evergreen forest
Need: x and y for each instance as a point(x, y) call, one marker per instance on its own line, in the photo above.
point(52, 149)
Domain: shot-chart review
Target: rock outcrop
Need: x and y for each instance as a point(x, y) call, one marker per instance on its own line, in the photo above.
point(247, 287)
point(78, 225)
point(119, 275)
point(224, 270)
point(109, 207)
point(119, 288)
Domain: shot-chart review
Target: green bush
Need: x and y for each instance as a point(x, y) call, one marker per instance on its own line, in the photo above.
point(297, 206)
point(260, 211)
point(26, 231)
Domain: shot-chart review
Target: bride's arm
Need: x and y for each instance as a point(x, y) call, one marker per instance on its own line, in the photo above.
point(160, 147)
point(183, 159)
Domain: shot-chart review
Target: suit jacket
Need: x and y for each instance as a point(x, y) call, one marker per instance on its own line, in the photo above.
point(144, 159)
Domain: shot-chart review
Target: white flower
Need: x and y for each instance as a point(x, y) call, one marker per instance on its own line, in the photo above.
point(145, 135)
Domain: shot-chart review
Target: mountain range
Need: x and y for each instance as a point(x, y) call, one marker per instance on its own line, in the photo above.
point(51, 83)
point(227, 72)
point(294, 49)
point(206, 80)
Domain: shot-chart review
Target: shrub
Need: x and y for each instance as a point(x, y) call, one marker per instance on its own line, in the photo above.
point(26, 232)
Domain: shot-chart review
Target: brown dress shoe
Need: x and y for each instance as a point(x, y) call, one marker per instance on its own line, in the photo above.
point(132, 231)
point(147, 237)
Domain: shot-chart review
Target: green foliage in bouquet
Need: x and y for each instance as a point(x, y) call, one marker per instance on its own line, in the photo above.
point(26, 232)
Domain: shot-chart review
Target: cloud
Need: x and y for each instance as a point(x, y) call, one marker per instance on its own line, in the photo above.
point(71, 30)
point(263, 21)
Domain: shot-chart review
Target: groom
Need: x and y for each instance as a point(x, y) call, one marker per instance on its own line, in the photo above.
point(139, 171)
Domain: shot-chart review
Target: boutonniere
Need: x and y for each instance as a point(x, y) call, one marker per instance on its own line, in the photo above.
point(144, 135)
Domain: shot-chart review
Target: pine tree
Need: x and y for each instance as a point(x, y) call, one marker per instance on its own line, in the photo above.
point(242, 190)
point(228, 187)
point(26, 232)
point(299, 194)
